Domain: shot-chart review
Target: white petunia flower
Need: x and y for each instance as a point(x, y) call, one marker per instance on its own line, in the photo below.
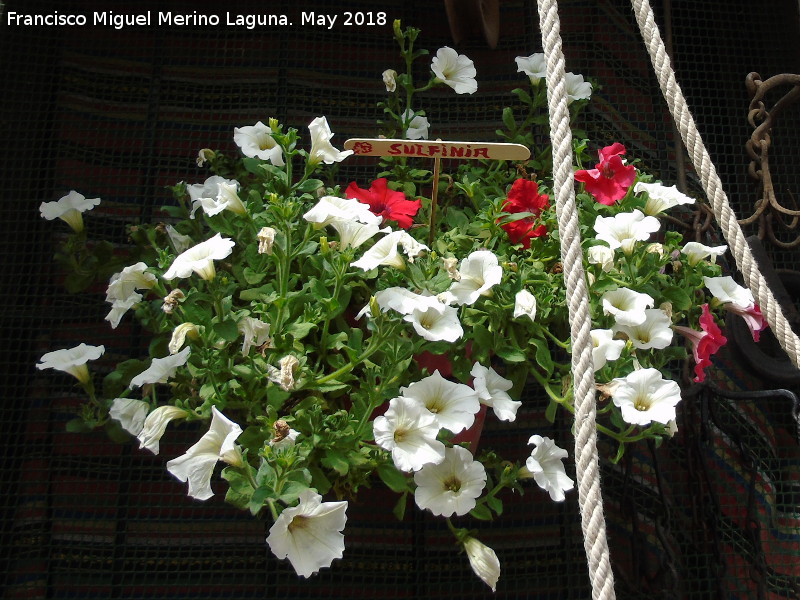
point(654, 332)
point(484, 561)
point(577, 88)
point(72, 360)
point(455, 70)
point(601, 255)
point(321, 148)
point(123, 284)
point(436, 322)
point(69, 208)
point(161, 369)
point(179, 241)
point(525, 305)
point(623, 230)
point(534, 66)
point(604, 347)
point(208, 191)
point(695, 252)
point(546, 466)
point(417, 125)
point(156, 424)
point(255, 332)
point(352, 233)
point(256, 141)
point(453, 404)
point(661, 197)
point(479, 272)
point(645, 396)
point(129, 413)
point(200, 258)
point(626, 306)
point(179, 336)
point(197, 465)
point(725, 289)
point(331, 208)
point(492, 390)
point(309, 534)
point(401, 300)
point(227, 198)
point(120, 307)
point(452, 486)
point(408, 431)
point(390, 79)
point(383, 252)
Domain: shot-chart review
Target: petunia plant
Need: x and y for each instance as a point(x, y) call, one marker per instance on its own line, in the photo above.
point(327, 338)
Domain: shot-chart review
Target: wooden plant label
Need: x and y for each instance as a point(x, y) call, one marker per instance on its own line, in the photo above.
point(437, 149)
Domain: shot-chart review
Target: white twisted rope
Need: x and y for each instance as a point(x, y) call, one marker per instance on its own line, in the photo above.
point(711, 182)
point(587, 465)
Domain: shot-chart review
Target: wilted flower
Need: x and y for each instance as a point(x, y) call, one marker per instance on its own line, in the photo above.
point(204, 155)
point(266, 238)
point(284, 375)
point(309, 534)
point(69, 208)
point(255, 332)
point(455, 70)
point(390, 79)
point(179, 336)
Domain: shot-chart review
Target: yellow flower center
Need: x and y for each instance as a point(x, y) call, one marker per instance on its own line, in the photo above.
point(641, 403)
point(298, 522)
point(452, 484)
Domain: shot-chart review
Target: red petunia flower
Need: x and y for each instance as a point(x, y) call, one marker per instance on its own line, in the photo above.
point(610, 179)
point(524, 196)
point(382, 201)
point(705, 343)
point(752, 316)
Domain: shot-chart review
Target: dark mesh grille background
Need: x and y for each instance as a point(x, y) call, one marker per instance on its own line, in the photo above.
point(121, 115)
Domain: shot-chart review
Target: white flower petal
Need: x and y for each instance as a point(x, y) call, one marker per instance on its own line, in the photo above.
point(452, 486)
point(645, 396)
point(129, 413)
point(545, 463)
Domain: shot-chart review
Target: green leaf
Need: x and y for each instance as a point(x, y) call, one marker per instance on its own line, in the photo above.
point(259, 499)
point(679, 298)
point(239, 489)
point(252, 277)
point(508, 119)
point(399, 509)
point(543, 357)
point(309, 185)
point(394, 479)
point(481, 512)
point(77, 425)
point(550, 412)
point(512, 355)
point(495, 504)
point(319, 480)
point(335, 460)
point(299, 330)
point(227, 330)
point(291, 491)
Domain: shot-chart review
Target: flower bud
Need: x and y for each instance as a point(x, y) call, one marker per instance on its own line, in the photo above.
point(484, 561)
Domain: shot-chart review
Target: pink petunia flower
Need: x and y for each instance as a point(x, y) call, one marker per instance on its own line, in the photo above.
point(391, 205)
point(705, 343)
point(610, 179)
